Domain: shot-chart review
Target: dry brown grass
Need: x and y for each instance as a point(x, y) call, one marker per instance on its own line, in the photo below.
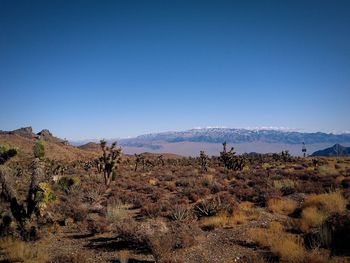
point(20, 251)
point(220, 220)
point(318, 207)
point(284, 183)
point(332, 202)
point(117, 212)
point(242, 214)
point(329, 169)
point(311, 217)
point(282, 206)
point(123, 256)
point(287, 246)
point(323, 256)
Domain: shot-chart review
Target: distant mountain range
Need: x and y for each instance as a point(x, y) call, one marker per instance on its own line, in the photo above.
point(190, 142)
point(219, 135)
point(335, 150)
point(244, 140)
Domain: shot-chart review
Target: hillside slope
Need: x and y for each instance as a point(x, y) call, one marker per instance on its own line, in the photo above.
point(55, 148)
point(335, 150)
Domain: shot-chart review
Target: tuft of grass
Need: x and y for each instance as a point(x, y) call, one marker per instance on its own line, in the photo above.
point(317, 207)
point(153, 182)
point(123, 256)
point(339, 178)
point(245, 212)
point(325, 170)
point(19, 251)
point(220, 220)
point(266, 166)
point(242, 214)
point(282, 206)
point(311, 217)
point(331, 203)
point(288, 247)
point(117, 212)
point(180, 213)
point(284, 183)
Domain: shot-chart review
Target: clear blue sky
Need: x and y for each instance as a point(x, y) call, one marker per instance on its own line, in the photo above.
point(90, 69)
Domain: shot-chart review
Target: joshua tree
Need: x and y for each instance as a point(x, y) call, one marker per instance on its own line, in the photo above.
point(286, 157)
point(37, 197)
point(227, 156)
point(98, 162)
point(203, 161)
point(140, 159)
point(315, 162)
point(39, 149)
point(229, 159)
point(160, 160)
point(111, 158)
point(88, 165)
point(59, 169)
point(149, 164)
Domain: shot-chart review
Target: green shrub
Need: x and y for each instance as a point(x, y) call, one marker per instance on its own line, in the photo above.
point(67, 182)
point(6, 153)
point(43, 196)
point(39, 149)
point(208, 207)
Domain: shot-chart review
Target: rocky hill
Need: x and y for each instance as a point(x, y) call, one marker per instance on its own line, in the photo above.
point(55, 148)
point(335, 150)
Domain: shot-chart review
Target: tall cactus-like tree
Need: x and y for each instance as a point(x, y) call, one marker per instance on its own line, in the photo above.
point(39, 149)
point(111, 158)
point(285, 155)
point(230, 160)
point(160, 160)
point(22, 210)
point(140, 160)
point(227, 156)
point(203, 161)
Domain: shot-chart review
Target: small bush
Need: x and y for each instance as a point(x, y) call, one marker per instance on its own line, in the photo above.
point(327, 170)
point(331, 203)
point(6, 153)
point(180, 213)
point(67, 182)
point(318, 207)
point(20, 251)
point(311, 217)
point(284, 183)
point(282, 206)
point(243, 213)
point(185, 182)
point(208, 207)
point(117, 212)
point(39, 149)
point(287, 246)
